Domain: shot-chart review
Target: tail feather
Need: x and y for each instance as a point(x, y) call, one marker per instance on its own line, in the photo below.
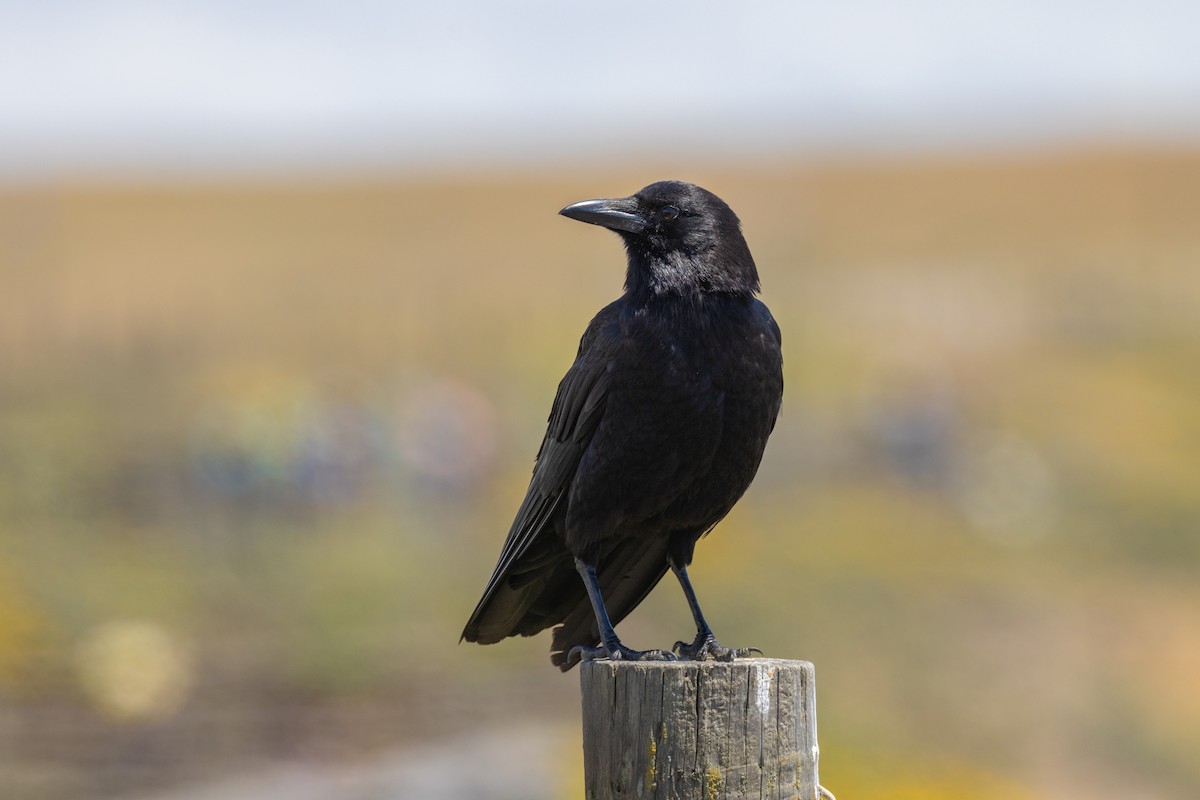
point(535, 593)
point(544, 589)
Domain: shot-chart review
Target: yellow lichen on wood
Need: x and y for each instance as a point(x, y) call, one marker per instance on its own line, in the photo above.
point(652, 765)
point(712, 783)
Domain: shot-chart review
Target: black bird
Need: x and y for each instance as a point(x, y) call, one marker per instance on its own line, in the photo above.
point(656, 431)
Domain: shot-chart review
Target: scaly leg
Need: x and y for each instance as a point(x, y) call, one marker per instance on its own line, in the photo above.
point(705, 644)
point(610, 646)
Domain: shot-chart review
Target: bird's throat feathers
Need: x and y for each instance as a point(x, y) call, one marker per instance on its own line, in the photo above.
point(724, 267)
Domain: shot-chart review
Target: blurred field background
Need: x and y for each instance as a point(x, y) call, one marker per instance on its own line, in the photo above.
point(261, 443)
point(264, 418)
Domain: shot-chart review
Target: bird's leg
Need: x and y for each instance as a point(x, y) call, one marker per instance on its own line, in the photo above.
point(705, 644)
point(610, 646)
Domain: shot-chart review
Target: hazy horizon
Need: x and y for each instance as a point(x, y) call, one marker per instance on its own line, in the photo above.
point(184, 88)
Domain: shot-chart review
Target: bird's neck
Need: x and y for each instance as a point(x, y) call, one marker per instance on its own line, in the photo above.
point(675, 274)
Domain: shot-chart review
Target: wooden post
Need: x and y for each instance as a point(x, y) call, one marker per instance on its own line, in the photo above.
point(688, 730)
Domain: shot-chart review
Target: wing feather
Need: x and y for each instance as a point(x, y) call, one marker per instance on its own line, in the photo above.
point(576, 413)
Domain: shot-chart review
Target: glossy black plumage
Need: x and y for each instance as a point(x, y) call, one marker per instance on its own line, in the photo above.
point(656, 430)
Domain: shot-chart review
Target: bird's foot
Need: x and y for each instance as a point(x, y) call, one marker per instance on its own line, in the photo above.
point(706, 645)
point(619, 652)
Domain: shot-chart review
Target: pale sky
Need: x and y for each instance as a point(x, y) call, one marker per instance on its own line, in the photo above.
point(247, 84)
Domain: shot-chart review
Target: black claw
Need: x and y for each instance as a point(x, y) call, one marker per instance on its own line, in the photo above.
point(581, 653)
point(618, 653)
point(706, 645)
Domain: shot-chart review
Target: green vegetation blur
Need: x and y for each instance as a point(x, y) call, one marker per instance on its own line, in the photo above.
point(260, 444)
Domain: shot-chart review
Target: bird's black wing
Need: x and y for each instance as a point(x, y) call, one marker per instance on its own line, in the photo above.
point(574, 417)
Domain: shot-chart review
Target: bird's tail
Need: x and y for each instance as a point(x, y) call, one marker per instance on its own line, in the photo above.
point(533, 594)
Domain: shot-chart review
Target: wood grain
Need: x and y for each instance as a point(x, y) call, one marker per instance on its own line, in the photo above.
point(690, 730)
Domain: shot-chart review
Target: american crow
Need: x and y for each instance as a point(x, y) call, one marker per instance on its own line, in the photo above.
point(656, 431)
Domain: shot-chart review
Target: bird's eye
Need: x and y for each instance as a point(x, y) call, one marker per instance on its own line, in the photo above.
point(669, 213)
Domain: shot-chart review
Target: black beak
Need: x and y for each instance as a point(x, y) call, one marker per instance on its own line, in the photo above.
point(620, 214)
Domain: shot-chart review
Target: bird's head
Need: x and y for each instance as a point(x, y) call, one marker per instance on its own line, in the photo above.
point(680, 238)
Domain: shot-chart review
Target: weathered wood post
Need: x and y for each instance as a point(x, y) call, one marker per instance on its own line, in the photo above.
point(688, 730)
